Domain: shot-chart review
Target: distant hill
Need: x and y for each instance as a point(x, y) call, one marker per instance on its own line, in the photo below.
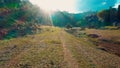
point(62, 18)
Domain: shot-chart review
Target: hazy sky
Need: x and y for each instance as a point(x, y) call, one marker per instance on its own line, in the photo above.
point(75, 5)
point(63, 5)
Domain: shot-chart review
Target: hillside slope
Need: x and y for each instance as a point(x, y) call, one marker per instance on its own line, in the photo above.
point(17, 18)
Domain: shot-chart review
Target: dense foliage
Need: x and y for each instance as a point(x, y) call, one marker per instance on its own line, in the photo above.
point(107, 17)
point(19, 17)
point(76, 20)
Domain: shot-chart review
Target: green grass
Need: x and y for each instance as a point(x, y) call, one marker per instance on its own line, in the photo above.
point(86, 52)
point(40, 50)
point(43, 55)
point(113, 35)
point(46, 50)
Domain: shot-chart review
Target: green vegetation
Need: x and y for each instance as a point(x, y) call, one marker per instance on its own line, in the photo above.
point(68, 26)
point(53, 48)
point(32, 51)
point(28, 38)
point(17, 18)
point(105, 17)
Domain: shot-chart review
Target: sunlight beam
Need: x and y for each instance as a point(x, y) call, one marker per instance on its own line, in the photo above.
point(54, 5)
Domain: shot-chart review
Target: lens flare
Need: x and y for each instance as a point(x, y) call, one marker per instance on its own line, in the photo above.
point(54, 5)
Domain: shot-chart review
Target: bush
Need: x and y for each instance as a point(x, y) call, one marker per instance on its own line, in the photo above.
point(68, 26)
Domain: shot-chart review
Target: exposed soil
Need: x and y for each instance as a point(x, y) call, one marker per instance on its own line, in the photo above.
point(110, 46)
point(71, 62)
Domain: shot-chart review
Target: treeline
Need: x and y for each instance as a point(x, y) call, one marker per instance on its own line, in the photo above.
point(110, 16)
point(63, 18)
point(107, 17)
point(19, 17)
point(103, 18)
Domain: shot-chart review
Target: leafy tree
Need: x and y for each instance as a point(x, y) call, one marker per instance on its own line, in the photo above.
point(92, 21)
point(103, 15)
point(19, 17)
point(109, 16)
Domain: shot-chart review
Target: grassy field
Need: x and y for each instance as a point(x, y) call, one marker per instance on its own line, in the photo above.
point(54, 48)
point(36, 51)
point(109, 40)
point(113, 35)
point(106, 40)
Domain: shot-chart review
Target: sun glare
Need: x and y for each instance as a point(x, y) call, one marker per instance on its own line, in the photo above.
point(54, 5)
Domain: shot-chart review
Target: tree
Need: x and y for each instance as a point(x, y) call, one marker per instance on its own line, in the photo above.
point(104, 16)
point(17, 18)
point(118, 13)
point(92, 21)
point(109, 16)
point(11, 3)
point(113, 14)
point(68, 26)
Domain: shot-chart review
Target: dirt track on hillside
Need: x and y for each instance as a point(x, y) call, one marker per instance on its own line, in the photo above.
point(58, 49)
